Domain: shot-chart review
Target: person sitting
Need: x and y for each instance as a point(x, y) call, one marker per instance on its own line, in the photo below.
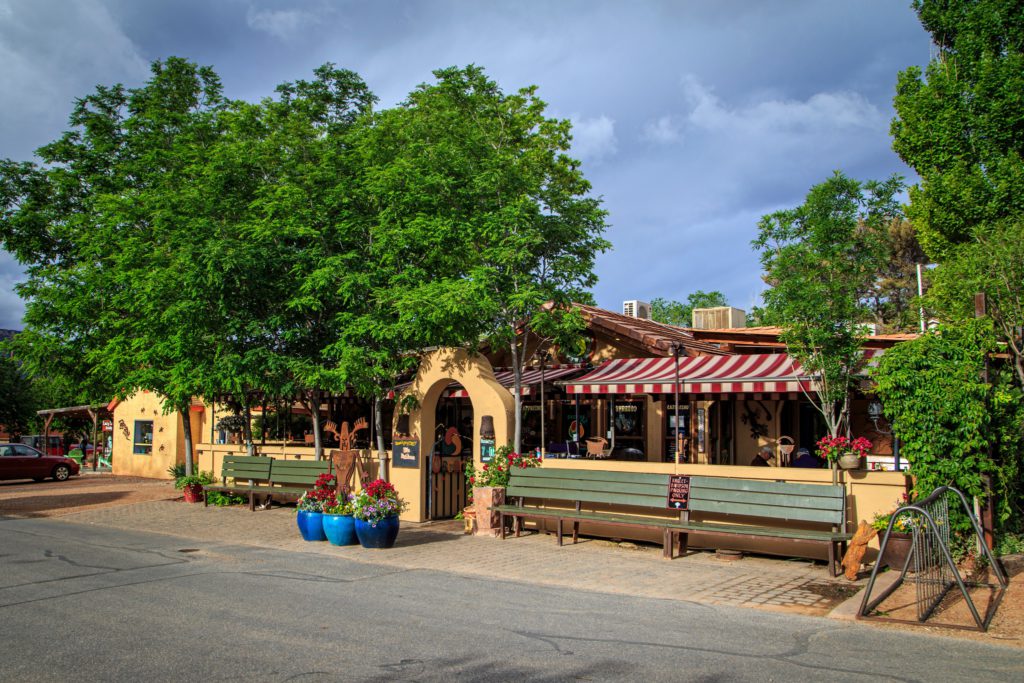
point(805, 459)
point(763, 458)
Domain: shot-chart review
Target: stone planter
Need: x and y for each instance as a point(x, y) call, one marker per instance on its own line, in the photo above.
point(849, 461)
point(488, 521)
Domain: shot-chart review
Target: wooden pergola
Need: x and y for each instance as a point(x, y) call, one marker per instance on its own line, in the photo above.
point(93, 412)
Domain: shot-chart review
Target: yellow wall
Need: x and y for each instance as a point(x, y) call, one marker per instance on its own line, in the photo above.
point(168, 445)
point(437, 370)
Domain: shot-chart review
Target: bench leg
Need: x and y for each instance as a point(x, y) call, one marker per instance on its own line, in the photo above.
point(558, 534)
point(517, 525)
point(501, 517)
point(205, 504)
point(684, 542)
point(575, 532)
point(252, 502)
point(667, 541)
point(832, 559)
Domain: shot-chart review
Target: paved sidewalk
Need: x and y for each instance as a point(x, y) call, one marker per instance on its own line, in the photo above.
point(596, 565)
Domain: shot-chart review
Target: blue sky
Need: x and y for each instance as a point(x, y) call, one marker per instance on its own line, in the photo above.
point(692, 118)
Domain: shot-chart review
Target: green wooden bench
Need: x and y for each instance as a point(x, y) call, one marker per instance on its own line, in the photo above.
point(292, 478)
point(245, 472)
point(759, 506)
point(644, 493)
point(644, 501)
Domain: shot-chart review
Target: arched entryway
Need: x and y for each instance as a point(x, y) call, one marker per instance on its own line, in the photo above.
point(484, 396)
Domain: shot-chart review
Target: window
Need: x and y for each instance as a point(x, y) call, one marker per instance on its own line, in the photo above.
point(143, 437)
point(25, 451)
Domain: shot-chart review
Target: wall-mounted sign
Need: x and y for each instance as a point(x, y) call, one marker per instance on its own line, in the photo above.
point(405, 453)
point(678, 491)
point(486, 450)
point(626, 408)
point(108, 425)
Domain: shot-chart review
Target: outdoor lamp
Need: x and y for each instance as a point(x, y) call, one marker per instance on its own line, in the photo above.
point(875, 410)
point(487, 427)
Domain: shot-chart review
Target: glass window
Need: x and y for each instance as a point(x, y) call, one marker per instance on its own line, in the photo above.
point(25, 451)
point(143, 437)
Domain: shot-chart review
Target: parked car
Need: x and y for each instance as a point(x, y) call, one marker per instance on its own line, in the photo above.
point(36, 441)
point(18, 461)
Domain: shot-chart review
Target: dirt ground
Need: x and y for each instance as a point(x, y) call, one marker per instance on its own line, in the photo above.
point(85, 492)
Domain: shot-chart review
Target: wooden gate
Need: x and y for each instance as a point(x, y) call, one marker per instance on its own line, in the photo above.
point(447, 493)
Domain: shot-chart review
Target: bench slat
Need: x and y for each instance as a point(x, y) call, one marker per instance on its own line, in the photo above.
point(589, 496)
point(770, 511)
point(660, 489)
point(775, 499)
point(592, 475)
point(754, 486)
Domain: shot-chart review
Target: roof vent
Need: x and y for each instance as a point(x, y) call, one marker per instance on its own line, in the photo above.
point(636, 309)
point(719, 318)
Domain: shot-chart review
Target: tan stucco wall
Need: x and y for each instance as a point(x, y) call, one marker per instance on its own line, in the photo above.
point(437, 370)
point(168, 444)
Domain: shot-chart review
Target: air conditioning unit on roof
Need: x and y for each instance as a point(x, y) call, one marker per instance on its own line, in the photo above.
point(635, 308)
point(719, 318)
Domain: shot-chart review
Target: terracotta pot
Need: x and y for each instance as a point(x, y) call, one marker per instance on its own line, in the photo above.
point(488, 521)
point(193, 493)
point(896, 551)
point(849, 461)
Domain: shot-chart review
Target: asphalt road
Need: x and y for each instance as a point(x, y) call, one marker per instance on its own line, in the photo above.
point(89, 603)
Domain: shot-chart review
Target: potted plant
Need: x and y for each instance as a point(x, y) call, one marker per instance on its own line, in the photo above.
point(376, 509)
point(192, 485)
point(488, 484)
point(901, 539)
point(339, 524)
point(310, 508)
point(845, 452)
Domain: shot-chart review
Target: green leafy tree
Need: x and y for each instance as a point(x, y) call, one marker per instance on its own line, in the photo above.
point(678, 313)
point(484, 219)
point(18, 401)
point(892, 297)
point(959, 122)
point(955, 427)
point(820, 259)
point(992, 263)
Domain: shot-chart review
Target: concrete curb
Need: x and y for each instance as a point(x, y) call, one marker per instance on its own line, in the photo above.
point(848, 609)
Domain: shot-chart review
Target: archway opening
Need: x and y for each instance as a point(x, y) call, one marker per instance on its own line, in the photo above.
point(450, 453)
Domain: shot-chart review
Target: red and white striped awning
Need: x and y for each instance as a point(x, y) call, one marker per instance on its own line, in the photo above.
point(531, 379)
point(747, 374)
point(758, 374)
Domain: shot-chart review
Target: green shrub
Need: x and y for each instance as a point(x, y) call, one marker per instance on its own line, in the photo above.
point(221, 499)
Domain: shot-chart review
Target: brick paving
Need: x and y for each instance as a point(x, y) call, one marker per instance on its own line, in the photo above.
point(593, 564)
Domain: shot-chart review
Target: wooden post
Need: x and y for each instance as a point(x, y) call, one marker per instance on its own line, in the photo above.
point(986, 518)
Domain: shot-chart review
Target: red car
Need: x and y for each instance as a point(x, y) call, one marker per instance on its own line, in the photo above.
point(18, 461)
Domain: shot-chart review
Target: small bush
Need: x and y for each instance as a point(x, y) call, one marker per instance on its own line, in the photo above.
point(221, 499)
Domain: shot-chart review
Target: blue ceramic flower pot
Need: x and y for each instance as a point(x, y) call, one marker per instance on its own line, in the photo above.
point(340, 529)
point(382, 535)
point(311, 525)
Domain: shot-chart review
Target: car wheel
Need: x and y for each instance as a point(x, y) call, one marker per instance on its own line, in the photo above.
point(61, 473)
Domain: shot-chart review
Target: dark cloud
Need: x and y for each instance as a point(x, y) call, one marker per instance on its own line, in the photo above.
point(693, 118)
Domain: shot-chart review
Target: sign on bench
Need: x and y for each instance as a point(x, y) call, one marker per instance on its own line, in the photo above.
point(679, 491)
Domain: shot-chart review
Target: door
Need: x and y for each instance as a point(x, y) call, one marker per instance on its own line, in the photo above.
point(33, 462)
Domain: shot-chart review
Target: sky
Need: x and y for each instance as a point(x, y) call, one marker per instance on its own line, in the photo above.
point(692, 118)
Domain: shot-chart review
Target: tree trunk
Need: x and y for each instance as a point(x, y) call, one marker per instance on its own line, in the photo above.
point(378, 424)
point(314, 413)
point(250, 447)
point(186, 426)
point(517, 373)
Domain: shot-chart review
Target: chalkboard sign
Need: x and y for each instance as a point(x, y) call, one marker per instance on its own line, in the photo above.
point(486, 450)
point(406, 453)
point(678, 491)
